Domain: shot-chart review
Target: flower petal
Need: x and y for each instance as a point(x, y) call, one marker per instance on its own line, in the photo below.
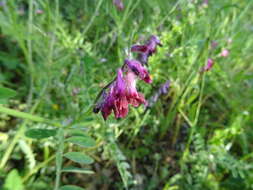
point(139, 48)
point(138, 69)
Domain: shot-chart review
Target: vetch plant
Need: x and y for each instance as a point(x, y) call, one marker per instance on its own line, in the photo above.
point(121, 92)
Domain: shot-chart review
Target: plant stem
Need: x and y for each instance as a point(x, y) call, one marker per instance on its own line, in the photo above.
point(30, 57)
point(93, 17)
point(34, 170)
point(12, 145)
point(59, 156)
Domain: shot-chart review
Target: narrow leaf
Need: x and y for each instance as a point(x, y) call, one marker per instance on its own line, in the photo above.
point(82, 141)
point(79, 157)
point(40, 133)
point(70, 187)
point(77, 170)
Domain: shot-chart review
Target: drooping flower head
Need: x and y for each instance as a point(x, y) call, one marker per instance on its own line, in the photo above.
point(114, 99)
point(122, 92)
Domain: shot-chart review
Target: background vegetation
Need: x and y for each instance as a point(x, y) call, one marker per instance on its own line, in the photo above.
point(56, 55)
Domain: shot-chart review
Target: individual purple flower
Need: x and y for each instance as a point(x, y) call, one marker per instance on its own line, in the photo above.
point(139, 70)
point(133, 96)
point(146, 50)
point(208, 65)
point(119, 4)
point(115, 99)
point(224, 53)
point(119, 94)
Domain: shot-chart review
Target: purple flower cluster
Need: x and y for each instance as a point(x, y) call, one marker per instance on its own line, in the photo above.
point(122, 92)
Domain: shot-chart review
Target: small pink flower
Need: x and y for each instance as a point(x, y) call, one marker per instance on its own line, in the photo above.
point(119, 4)
point(224, 53)
point(208, 66)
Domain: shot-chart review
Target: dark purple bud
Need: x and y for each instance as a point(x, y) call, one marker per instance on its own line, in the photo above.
point(139, 48)
point(144, 51)
point(119, 4)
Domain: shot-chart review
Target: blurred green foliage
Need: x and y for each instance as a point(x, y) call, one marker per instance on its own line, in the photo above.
point(56, 55)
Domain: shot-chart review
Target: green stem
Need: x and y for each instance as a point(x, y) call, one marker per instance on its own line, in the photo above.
point(30, 57)
point(12, 145)
point(34, 170)
point(59, 156)
point(93, 17)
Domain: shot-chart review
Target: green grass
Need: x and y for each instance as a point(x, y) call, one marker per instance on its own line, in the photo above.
point(198, 136)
